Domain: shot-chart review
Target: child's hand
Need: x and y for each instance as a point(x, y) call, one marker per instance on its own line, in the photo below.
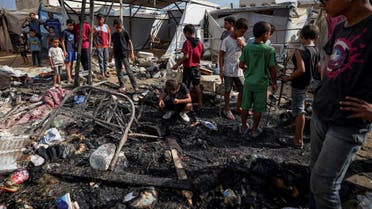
point(240, 42)
point(161, 103)
point(222, 74)
point(359, 108)
point(285, 79)
point(176, 101)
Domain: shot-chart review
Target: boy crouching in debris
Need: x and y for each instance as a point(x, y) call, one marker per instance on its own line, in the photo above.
point(176, 98)
point(307, 67)
point(258, 62)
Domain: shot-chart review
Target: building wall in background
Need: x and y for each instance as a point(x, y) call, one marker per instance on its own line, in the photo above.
point(29, 4)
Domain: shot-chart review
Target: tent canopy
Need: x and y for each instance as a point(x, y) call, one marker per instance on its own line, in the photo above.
point(159, 4)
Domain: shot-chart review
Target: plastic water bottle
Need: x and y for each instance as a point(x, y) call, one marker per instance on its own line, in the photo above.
point(209, 125)
point(101, 158)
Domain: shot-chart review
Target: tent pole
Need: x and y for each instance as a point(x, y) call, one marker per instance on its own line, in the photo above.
point(77, 67)
point(91, 13)
point(130, 20)
point(121, 11)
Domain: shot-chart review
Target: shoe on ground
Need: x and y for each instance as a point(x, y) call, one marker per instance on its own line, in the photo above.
point(184, 116)
point(168, 115)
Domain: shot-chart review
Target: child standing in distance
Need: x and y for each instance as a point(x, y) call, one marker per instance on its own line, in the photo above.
point(23, 49)
point(258, 61)
point(229, 23)
point(102, 41)
point(123, 48)
point(342, 107)
point(230, 72)
point(34, 45)
point(56, 57)
point(306, 62)
point(176, 98)
point(68, 45)
point(192, 52)
point(51, 36)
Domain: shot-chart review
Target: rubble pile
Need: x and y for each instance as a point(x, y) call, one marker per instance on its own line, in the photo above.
point(92, 147)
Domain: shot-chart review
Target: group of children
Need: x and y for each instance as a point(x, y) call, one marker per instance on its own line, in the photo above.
point(250, 68)
point(62, 49)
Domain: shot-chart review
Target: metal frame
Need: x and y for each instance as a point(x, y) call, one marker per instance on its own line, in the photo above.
point(48, 120)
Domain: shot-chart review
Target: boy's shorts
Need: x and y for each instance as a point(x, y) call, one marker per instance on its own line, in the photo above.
point(71, 56)
point(23, 53)
point(175, 107)
point(298, 101)
point(229, 82)
point(191, 75)
point(57, 69)
point(254, 100)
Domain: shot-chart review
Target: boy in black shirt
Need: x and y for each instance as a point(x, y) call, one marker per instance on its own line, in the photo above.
point(176, 98)
point(123, 48)
point(339, 127)
point(306, 62)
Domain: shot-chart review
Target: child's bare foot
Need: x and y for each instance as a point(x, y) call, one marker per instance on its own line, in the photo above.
point(299, 144)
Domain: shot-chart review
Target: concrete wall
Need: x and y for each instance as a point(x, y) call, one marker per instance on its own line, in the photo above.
point(29, 4)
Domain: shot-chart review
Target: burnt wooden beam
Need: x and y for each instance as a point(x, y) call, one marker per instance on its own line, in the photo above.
point(88, 174)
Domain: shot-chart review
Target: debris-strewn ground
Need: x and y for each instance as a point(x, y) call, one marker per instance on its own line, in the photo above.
point(266, 172)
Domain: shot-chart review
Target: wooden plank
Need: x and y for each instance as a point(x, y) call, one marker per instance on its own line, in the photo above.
point(205, 71)
point(123, 179)
point(179, 168)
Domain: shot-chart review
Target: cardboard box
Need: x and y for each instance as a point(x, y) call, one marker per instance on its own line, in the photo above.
point(211, 83)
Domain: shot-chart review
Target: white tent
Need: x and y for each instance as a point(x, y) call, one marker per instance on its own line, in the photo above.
point(9, 23)
point(287, 19)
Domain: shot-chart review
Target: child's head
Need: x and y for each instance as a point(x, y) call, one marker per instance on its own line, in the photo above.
point(261, 30)
point(116, 21)
point(229, 23)
point(50, 15)
point(241, 26)
point(172, 86)
point(51, 29)
point(21, 38)
point(70, 24)
point(336, 8)
point(272, 30)
point(310, 32)
point(32, 15)
point(32, 32)
point(118, 25)
point(189, 30)
point(55, 42)
point(100, 19)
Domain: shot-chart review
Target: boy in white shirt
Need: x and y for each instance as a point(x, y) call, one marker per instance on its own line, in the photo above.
point(56, 58)
point(231, 49)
